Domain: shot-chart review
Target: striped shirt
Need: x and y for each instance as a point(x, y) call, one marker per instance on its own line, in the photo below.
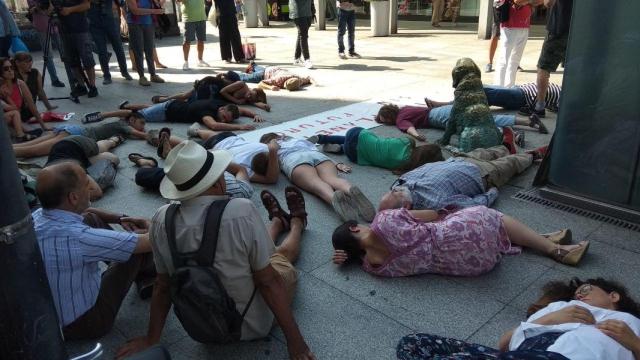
point(551, 101)
point(71, 251)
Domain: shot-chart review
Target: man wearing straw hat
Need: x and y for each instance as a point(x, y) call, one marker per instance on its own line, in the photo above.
point(246, 256)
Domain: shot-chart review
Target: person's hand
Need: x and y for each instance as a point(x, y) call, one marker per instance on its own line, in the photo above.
point(137, 225)
point(620, 332)
point(65, 11)
point(159, 11)
point(275, 88)
point(343, 168)
point(133, 346)
point(339, 257)
point(247, 127)
point(52, 107)
point(273, 145)
point(570, 314)
point(257, 118)
point(267, 107)
point(419, 137)
point(298, 350)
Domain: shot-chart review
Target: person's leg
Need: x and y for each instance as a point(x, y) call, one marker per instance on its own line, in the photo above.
point(306, 177)
point(506, 167)
point(521, 234)
point(329, 174)
point(425, 346)
point(290, 246)
point(149, 178)
point(255, 77)
point(98, 34)
point(342, 28)
point(488, 154)
point(107, 144)
point(436, 12)
point(40, 149)
point(86, 55)
point(506, 46)
point(304, 37)
point(551, 55)
point(262, 12)
point(351, 27)
point(503, 120)
point(224, 39)
point(112, 33)
point(136, 39)
point(149, 43)
point(200, 47)
point(117, 114)
point(13, 119)
point(236, 40)
point(298, 51)
point(111, 157)
point(507, 98)
point(331, 139)
point(519, 41)
point(38, 140)
point(493, 45)
point(189, 36)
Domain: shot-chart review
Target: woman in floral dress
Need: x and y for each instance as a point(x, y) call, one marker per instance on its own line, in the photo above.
point(468, 242)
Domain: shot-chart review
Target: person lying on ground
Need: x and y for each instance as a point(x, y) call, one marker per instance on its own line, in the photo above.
point(364, 147)
point(23, 63)
point(273, 77)
point(468, 179)
point(72, 246)
point(92, 156)
point(521, 97)
point(457, 242)
point(316, 173)
point(240, 94)
point(598, 320)
point(410, 118)
point(214, 114)
point(249, 263)
point(133, 127)
point(207, 88)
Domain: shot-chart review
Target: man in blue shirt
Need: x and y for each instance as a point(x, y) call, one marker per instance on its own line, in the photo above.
point(86, 299)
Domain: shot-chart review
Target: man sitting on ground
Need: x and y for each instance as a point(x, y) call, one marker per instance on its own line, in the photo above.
point(246, 257)
point(86, 299)
point(464, 180)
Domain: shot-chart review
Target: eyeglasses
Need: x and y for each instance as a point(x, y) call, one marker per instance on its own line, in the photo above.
point(584, 290)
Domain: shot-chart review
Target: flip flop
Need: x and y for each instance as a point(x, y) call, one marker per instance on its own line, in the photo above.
point(135, 157)
point(161, 153)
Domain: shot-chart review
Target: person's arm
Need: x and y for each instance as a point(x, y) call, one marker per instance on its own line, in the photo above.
point(214, 125)
point(143, 245)
point(42, 95)
point(265, 84)
point(238, 171)
point(107, 216)
point(505, 339)
point(424, 215)
point(228, 91)
point(27, 98)
point(160, 306)
point(137, 134)
point(135, 10)
point(271, 287)
point(273, 168)
point(80, 8)
point(264, 106)
point(622, 333)
point(413, 132)
point(250, 114)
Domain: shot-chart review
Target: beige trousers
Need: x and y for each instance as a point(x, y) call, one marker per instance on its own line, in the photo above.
point(496, 165)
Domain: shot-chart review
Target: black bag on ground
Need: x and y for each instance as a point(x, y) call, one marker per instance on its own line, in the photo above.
point(200, 301)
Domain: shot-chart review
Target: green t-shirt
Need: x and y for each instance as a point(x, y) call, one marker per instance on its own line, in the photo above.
point(389, 153)
point(193, 10)
point(106, 130)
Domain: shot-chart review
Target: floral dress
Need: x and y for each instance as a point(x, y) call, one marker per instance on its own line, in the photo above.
point(468, 242)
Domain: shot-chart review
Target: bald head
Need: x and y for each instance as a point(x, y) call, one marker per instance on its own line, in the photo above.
point(57, 181)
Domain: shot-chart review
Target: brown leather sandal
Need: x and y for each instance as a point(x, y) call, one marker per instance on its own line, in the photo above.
point(295, 202)
point(274, 209)
point(571, 257)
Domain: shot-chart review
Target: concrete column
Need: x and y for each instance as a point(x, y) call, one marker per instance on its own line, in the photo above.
point(393, 17)
point(250, 14)
point(485, 19)
point(321, 11)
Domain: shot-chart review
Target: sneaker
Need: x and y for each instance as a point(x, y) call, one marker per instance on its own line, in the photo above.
point(57, 83)
point(79, 90)
point(355, 55)
point(365, 208)
point(342, 56)
point(508, 140)
point(193, 130)
point(519, 140)
point(92, 117)
point(143, 81)
point(202, 63)
point(332, 148)
point(106, 81)
point(123, 104)
point(527, 111)
point(157, 79)
point(539, 153)
point(343, 206)
point(535, 120)
point(185, 66)
point(126, 76)
point(313, 139)
point(93, 91)
point(298, 62)
point(488, 68)
point(308, 64)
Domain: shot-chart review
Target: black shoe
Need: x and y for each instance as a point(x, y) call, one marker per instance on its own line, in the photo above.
point(535, 120)
point(93, 91)
point(79, 90)
point(519, 138)
point(107, 81)
point(527, 111)
point(57, 83)
point(123, 104)
point(126, 76)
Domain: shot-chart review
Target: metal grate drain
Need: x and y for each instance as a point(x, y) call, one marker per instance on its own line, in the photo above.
point(533, 196)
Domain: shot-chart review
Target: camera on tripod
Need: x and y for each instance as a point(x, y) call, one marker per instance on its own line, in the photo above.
point(57, 5)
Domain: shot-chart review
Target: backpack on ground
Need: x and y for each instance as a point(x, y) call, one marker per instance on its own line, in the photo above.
point(200, 301)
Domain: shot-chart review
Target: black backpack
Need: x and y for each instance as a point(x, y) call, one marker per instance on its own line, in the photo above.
point(200, 301)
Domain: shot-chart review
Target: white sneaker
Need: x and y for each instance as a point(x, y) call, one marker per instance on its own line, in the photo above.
point(193, 130)
point(202, 63)
point(185, 66)
point(297, 62)
point(308, 64)
point(342, 56)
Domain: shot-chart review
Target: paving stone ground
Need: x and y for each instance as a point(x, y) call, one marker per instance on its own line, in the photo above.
point(346, 313)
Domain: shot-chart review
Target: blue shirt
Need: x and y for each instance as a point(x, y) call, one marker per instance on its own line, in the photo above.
point(71, 251)
point(452, 182)
point(140, 19)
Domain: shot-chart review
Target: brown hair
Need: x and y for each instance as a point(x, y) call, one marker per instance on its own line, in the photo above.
point(233, 109)
point(420, 155)
point(261, 96)
point(13, 67)
point(389, 112)
point(260, 163)
point(268, 137)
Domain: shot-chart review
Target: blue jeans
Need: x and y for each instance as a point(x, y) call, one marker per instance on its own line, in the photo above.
point(506, 98)
point(346, 21)
point(438, 118)
point(349, 142)
point(156, 112)
point(255, 77)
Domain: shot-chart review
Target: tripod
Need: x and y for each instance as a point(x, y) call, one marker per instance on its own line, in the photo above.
point(53, 22)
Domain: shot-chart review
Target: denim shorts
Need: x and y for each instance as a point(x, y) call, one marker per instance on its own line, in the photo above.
point(71, 129)
point(291, 161)
point(156, 113)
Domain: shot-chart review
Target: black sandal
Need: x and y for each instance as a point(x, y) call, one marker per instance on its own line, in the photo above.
point(135, 157)
point(274, 209)
point(161, 152)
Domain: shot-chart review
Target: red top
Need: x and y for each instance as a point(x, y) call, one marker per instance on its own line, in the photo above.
point(519, 17)
point(415, 116)
point(16, 95)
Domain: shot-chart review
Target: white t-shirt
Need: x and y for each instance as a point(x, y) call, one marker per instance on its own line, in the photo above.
point(242, 150)
point(579, 341)
point(289, 146)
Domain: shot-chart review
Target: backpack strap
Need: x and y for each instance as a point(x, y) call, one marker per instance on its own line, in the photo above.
point(207, 253)
point(170, 228)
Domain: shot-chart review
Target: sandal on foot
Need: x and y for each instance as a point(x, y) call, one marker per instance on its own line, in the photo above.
point(364, 206)
point(295, 203)
point(560, 237)
point(163, 140)
point(153, 137)
point(136, 157)
point(571, 257)
point(274, 209)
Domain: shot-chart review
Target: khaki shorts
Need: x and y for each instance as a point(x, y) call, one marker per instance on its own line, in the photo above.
point(289, 273)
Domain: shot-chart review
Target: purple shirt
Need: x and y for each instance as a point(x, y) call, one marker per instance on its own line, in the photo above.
point(415, 116)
